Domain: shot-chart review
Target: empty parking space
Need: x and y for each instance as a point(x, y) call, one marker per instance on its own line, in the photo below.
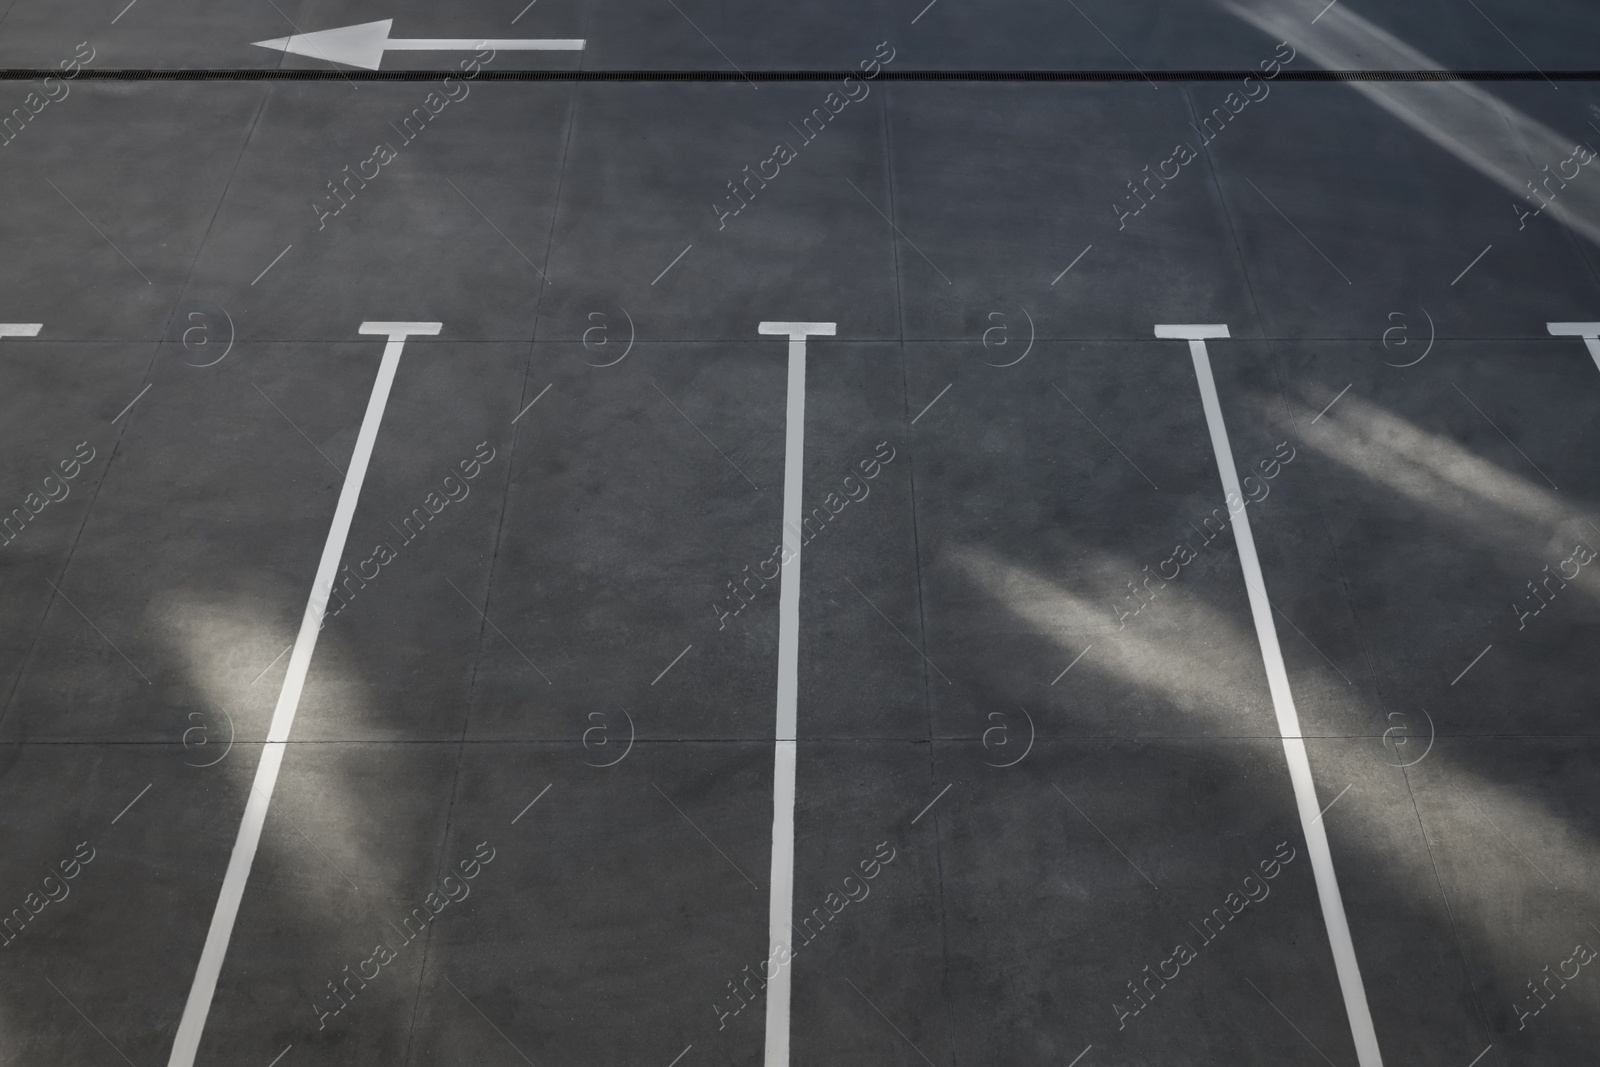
point(794, 571)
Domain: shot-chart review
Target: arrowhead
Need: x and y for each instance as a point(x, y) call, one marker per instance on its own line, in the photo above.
point(354, 46)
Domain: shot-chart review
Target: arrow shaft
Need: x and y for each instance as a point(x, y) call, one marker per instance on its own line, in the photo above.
point(467, 44)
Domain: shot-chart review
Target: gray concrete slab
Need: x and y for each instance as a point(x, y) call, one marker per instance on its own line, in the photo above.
point(686, 434)
point(662, 229)
point(104, 248)
point(1340, 239)
point(996, 447)
point(114, 873)
point(634, 35)
point(1046, 233)
point(565, 881)
point(1128, 845)
point(1447, 446)
point(1512, 845)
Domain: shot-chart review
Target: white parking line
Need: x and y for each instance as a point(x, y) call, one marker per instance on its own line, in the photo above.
point(198, 1006)
point(780, 910)
point(1294, 748)
point(1589, 331)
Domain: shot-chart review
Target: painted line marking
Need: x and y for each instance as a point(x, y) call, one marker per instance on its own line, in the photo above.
point(931, 803)
point(131, 803)
point(532, 402)
point(1502, 833)
point(1291, 1023)
point(1334, 801)
point(280, 1056)
point(674, 263)
point(1589, 331)
point(311, 42)
point(924, 11)
point(1071, 665)
point(1347, 967)
point(271, 665)
point(1102, 833)
point(531, 803)
point(673, 664)
point(685, 1052)
point(263, 274)
point(92, 1026)
point(890, 1021)
point(932, 402)
point(1102, 433)
point(897, 630)
point(703, 834)
point(191, 1027)
point(134, 401)
point(780, 901)
point(1324, 11)
point(501, 632)
point(97, 630)
point(1332, 402)
point(364, 44)
point(490, 1021)
point(321, 853)
point(1308, 641)
point(1063, 274)
point(1469, 666)
point(1474, 262)
point(20, 329)
point(1480, 1056)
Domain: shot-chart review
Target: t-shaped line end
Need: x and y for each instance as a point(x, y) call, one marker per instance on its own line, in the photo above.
point(1573, 329)
point(796, 331)
point(1193, 333)
point(401, 330)
point(20, 329)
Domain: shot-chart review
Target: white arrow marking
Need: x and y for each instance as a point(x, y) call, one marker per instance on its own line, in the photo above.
point(363, 45)
point(193, 1023)
point(780, 913)
point(1589, 331)
point(1294, 746)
